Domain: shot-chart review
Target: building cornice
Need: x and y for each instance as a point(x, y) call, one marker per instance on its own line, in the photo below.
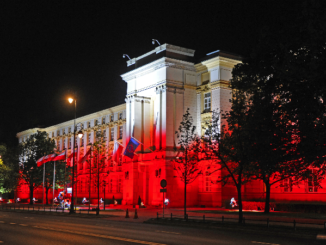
point(216, 61)
point(71, 122)
point(158, 64)
point(168, 47)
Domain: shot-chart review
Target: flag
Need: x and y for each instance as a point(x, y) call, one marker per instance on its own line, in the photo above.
point(131, 148)
point(60, 157)
point(73, 154)
point(83, 159)
point(117, 151)
point(40, 162)
point(49, 158)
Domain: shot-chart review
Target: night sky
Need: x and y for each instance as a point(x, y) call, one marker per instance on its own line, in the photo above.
point(50, 49)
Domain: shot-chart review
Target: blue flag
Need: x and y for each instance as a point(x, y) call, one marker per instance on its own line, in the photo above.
point(131, 148)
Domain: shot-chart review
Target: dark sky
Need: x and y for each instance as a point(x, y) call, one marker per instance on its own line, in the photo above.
point(49, 49)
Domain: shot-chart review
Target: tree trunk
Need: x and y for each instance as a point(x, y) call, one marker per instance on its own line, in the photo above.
point(240, 203)
point(185, 201)
point(31, 190)
point(268, 196)
point(240, 198)
point(185, 179)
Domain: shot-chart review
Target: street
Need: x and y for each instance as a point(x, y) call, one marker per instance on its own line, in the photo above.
point(27, 228)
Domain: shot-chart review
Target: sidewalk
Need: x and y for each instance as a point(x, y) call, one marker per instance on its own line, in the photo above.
point(118, 213)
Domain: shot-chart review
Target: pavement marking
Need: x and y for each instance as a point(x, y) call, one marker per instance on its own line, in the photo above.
point(23, 224)
point(12, 223)
point(265, 243)
point(103, 236)
point(1, 221)
point(321, 237)
point(170, 232)
point(1, 241)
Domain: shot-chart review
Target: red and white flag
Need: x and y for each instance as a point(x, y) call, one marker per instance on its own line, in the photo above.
point(49, 158)
point(72, 154)
point(60, 157)
point(83, 159)
point(117, 151)
point(40, 162)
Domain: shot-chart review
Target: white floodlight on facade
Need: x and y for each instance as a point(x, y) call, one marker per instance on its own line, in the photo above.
point(155, 40)
point(124, 56)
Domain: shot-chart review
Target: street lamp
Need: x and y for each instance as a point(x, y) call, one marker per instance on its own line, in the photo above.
point(80, 135)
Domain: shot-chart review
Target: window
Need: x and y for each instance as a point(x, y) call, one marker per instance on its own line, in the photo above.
point(111, 118)
point(69, 130)
point(104, 133)
point(88, 124)
point(96, 122)
point(119, 186)
point(120, 115)
point(82, 141)
point(89, 138)
point(103, 120)
point(207, 102)
point(127, 175)
point(69, 143)
point(52, 134)
point(120, 132)
point(287, 185)
point(207, 182)
point(312, 182)
point(59, 145)
point(112, 134)
point(58, 133)
point(64, 143)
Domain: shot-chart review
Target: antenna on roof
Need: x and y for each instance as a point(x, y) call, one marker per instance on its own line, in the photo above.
point(155, 40)
point(124, 56)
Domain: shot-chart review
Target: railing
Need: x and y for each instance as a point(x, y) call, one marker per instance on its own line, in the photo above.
point(44, 208)
point(224, 220)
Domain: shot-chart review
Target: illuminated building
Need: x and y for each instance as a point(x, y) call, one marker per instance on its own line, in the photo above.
point(161, 85)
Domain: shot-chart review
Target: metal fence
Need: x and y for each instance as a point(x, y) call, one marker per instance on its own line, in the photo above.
point(227, 220)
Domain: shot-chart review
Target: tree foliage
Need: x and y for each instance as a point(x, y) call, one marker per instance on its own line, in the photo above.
point(9, 169)
point(35, 147)
point(283, 82)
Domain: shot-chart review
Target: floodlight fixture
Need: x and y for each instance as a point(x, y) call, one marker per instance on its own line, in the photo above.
point(155, 40)
point(124, 56)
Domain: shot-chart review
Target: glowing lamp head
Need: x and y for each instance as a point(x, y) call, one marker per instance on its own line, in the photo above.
point(153, 41)
point(80, 134)
point(70, 100)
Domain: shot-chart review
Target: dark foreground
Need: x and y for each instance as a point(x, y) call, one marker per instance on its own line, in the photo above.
point(27, 228)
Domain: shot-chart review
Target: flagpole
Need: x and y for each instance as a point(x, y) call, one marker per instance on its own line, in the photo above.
point(43, 182)
point(65, 163)
point(90, 177)
point(53, 183)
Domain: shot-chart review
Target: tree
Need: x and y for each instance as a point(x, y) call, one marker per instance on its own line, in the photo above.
point(228, 143)
point(35, 147)
point(187, 165)
point(99, 156)
point(9, 169)
point(285, 92)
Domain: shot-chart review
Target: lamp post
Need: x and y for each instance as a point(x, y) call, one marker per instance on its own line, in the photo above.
point(80, 135)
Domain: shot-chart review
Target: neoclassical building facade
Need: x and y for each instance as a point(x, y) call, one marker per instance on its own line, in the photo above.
point(161, 85)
